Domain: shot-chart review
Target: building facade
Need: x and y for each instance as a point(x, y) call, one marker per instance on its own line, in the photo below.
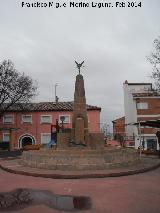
point(119, 127)
point(141, 103)
point(33, 122)
point(120, 135)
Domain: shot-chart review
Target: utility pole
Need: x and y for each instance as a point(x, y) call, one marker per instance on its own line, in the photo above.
point(139, 127)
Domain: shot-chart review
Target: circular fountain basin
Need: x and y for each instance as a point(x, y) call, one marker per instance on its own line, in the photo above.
point(80, 159)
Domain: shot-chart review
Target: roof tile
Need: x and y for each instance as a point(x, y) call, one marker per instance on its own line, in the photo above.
point(48, 106)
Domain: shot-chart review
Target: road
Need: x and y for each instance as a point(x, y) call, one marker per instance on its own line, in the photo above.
point(130, 194)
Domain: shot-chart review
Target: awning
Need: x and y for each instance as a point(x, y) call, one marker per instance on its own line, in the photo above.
point(150, 123)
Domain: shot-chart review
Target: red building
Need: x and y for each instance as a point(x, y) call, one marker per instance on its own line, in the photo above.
point(34, 121)
point(148, 108)
point(118, 127)
point(119, 133)
point(141, 103)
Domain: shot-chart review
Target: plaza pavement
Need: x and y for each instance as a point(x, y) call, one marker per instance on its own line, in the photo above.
point(138, 193)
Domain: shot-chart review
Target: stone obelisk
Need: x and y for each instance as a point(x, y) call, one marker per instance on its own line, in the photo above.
point(80, 119)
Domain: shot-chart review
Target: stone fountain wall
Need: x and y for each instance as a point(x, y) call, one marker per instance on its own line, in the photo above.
point(80, 159)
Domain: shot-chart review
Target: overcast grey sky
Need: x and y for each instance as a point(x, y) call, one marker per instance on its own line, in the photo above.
point(113, 42)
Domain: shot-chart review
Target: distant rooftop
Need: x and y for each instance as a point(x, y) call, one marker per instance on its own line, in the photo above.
point(140, 84)
point(126, 82)
point(48, 106)
point(118, 119)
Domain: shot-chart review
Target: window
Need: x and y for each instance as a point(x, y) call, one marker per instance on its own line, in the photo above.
point(66, 119)
point(26, 118)
point(45, 138)
point(8, 119)
point(142, 105)
point(46, 119)
point(6, 137)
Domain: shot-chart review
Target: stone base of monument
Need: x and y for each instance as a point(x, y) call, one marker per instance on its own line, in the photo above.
point(95, 141)
point(80, 159)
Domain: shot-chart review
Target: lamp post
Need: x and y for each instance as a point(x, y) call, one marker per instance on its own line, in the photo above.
point(62, 118)
point(158, 136)
point(139, 127)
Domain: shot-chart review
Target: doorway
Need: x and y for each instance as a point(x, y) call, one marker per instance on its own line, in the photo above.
point(151, 144)
point(26, 140)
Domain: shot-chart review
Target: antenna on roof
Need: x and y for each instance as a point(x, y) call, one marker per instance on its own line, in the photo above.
point(57, 99)
point(55, 90)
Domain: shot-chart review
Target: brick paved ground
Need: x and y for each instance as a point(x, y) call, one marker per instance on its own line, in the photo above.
point(129, 194)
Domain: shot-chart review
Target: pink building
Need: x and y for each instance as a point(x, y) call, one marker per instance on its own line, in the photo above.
point(35, 119)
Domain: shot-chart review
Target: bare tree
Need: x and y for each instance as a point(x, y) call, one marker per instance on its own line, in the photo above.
point(154, 59)
point(120, 139)
point(14, 87)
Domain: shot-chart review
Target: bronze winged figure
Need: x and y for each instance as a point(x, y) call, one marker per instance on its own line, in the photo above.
point(79, 65)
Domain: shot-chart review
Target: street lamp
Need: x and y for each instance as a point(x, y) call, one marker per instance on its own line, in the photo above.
point(62, 118)
point(140, 142)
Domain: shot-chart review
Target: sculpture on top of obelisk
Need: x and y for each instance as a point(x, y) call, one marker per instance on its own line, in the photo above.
point(80, 119)
point(79, 66)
